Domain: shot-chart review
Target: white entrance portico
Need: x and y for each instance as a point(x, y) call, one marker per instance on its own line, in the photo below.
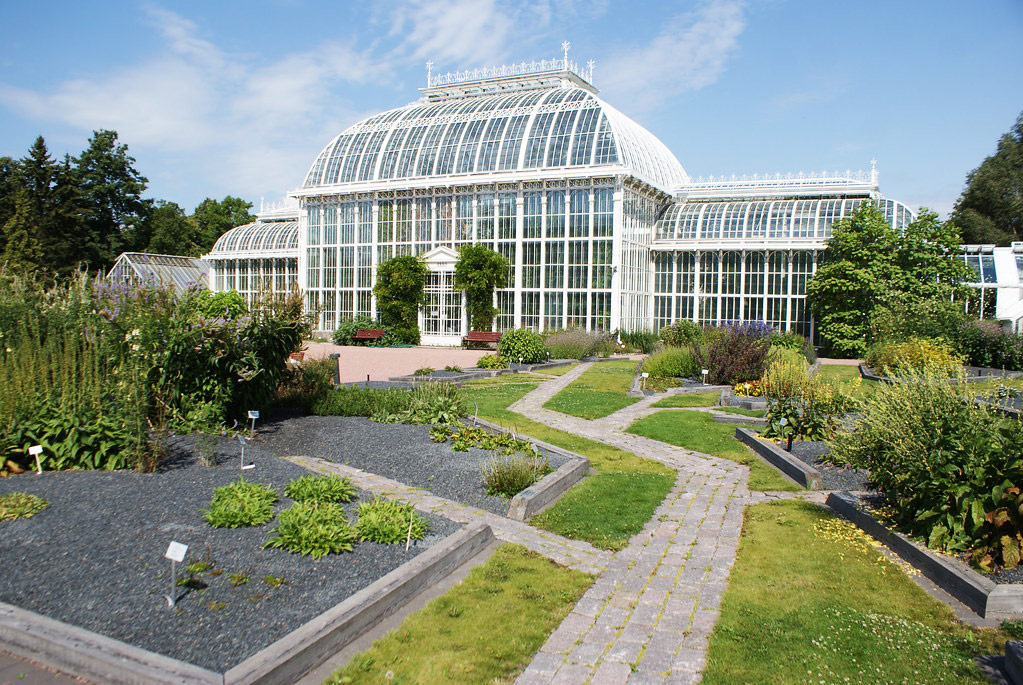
point(442, 318)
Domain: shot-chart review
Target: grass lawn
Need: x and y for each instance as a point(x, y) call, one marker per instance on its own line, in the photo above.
point(810, 599)
point(598, 392)
point(484, 629)
point(605, 509)
point(849, 378)
point(696, 430)
point(758, 413)
point(700, 399)
point(558, 370)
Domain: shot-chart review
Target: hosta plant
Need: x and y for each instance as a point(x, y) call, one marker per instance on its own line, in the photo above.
point(390, 522)
point(241, 504)
point(310, 488)
point(313, 529)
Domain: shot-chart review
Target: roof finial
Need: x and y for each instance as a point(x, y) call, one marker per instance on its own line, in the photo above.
point(589, 66)
point(565, 45)
point(429, 73)
point(873, 171)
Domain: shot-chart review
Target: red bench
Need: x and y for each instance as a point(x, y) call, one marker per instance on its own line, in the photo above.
point(369, 334)
point(485, 337)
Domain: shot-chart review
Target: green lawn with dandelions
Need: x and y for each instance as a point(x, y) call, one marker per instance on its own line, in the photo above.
point(812, 600)
point(598, 392)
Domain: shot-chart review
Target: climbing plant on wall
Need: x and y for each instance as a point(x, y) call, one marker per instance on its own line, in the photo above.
point(478, 271)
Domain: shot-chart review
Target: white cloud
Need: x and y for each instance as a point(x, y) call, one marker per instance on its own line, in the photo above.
point(689, 53)
point(238, 122)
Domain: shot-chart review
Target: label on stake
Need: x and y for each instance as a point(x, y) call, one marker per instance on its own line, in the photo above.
point(176, 551)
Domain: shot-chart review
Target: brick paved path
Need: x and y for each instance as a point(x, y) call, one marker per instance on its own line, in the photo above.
point(647, 619)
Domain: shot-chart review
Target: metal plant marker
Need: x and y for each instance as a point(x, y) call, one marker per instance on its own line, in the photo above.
point(253, 415)
point(176, 553)
point(644, 376)
point(704, 372)
point(241, 441)
point(35, 451)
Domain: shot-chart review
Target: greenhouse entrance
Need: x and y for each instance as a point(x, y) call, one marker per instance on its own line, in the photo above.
point(442, 320)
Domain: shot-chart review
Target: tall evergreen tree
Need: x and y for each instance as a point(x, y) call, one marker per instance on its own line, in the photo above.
point(21, 247)
point(990, 209)
point(111, 197)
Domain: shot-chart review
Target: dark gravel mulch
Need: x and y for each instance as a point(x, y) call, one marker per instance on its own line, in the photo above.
point(398, 451)
point(94, 559)
point(832, 477)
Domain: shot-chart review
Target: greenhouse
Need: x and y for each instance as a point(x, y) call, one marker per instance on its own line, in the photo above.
point(603, 226)
point(141, 268)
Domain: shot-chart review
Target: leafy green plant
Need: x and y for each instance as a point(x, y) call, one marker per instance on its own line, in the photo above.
point(811, 411)
point(949, 469)
point(313, 529)
point(642, 341)
point(274, 581)
point(432, 403)
point(478, 271)
point(310, 488)
point(786, 373)
point(241, 504)
point(453, 368)
point(672, 362)
point(306, 383)
point(238, 579)
point(735, 353)
point(357, 401)
point(793, 341)
point(346, 329)
point(20, 505)
point(918, 354)
point(492, 361)
point(424, 371)
point(524, 344)
point(682, 333)
point(390, 522)
point(440, 433)
point(575, 343)
point(197, 567)
point(508, 475)
point(400, 291)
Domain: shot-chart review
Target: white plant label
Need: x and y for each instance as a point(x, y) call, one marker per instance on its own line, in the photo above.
point(35, 451)
point(646, 375)
point(253, 414)
point(176, 551)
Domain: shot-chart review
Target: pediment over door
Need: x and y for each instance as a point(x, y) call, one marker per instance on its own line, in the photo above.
point(441, 258)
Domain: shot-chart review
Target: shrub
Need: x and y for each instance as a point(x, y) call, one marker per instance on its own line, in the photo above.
point(795, 342)
point(914, 318)
point(453, 368)
point(949, 469)
point(682, 333)
point(241, 504)
point(572, 343)
point(524, 344)
point(672, 362)
point(354, 400)
point(748, 389)
point(604, 346)
point(492, 361)
point(919, 354)
point(786, 373)
point(508, 475)
point(643, 341)
point(424, 371)
point(310, 488)
point(20, 505)
point(313, 528)
point(441, 403)
point(390, 522)
point(735, 353)
point(347, 328)
point(400, 290)
point(306, 383)
point(811, 412)
point(986, 343)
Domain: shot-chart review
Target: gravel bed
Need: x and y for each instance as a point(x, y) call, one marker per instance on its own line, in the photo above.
point(832, 477)
point(398, 451)
point(94, 559)
point(379, 385)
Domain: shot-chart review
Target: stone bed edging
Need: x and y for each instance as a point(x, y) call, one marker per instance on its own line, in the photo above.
point(103, 659)
point(548, 489)
point(982, 595)
point(794, 468)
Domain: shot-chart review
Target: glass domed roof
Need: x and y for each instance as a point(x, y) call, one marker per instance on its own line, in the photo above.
point(259, 236)
point(533, 130)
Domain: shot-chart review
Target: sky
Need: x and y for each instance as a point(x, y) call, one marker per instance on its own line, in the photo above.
point(239, 97)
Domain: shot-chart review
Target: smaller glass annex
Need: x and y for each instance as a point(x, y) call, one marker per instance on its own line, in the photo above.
point(137, 268)
point(603, 227)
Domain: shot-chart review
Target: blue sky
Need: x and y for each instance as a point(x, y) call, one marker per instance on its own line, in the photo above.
point(239, 97)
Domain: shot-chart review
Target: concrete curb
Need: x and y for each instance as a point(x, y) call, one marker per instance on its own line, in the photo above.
point(739, 418)
point(797, 470)
point(307, 647)
point(982, 595)
point(103, 659)
point(90, 655)
point(1014, 661)
point(548, 489)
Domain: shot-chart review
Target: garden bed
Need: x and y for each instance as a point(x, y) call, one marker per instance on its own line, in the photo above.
point(804, 463)
point(94, 559)
point(397, 451)
point(984, 594)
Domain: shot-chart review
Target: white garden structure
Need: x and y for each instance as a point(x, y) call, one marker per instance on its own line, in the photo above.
point(604, 228)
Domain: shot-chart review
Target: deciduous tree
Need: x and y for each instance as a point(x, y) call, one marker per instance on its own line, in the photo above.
point(478, 271)
point(990, 209)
